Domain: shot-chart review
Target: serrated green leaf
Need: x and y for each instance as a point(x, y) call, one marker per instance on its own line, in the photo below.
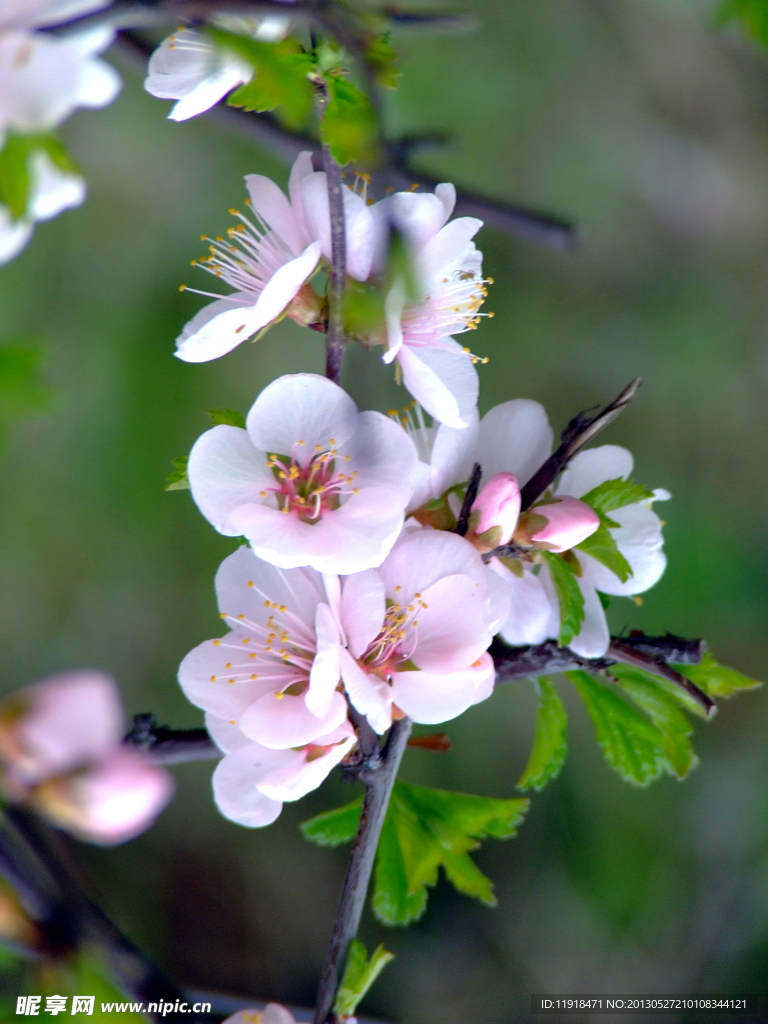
point(665, 713)
point(229, 416)
point(349, 123)
point(333, 828)
point(672, 690)
point(359, 974)
point(15, 179)
point(280, 77)
point(384, 60)
point(602, 547)
point(177, 480)
point(717, 680)
point(549, 745)
point(424, 829)
point(630, 743)
point(613, 494)
point(569, 597)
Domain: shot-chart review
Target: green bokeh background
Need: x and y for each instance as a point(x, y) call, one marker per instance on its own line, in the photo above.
point(651, 130)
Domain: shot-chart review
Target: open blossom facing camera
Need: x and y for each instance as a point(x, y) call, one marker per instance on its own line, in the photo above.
point(268, 259)
point(513, 440)
point(60, 750)
point(310, 481)
point(436, 369)
point(191, 68)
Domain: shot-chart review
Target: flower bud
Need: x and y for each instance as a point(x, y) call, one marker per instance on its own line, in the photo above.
point(569, 522)
point(108, 802)
point(309, 309)
point(496, 508)
point(59, 724)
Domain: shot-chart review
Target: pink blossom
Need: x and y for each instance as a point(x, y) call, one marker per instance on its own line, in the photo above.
point(438, 372)
point(109, 801)
point(310, 481)
point(258, 675)
point(268, 256)
point(251, 783)
point(273, 1013)
point(497, 508)
point(569, 522)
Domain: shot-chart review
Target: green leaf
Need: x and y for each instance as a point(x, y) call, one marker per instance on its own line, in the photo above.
point(630, 743)
point(15, 178)
point(177, 480)
point(21, 386)
point(423, 830)
point(333, 828)
point(549, 745)
point(613, 494)
point(717, 680)
point(672, 690)
point(228, 416)
point(602, 547)
point(384, 60)
point(753, 14)
point(349, 124)
point(664, 712)
point(359, 974)
point(364, 316)
point(280, 77)
point(569, 597)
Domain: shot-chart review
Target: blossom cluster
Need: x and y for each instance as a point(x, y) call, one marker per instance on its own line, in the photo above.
point(357, 594)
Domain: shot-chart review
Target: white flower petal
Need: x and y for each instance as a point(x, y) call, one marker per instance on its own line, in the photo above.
point(515, 437)
point(325, 672)
point(448, 245)
point(431, 699)
point(208, 92)
point(225, 733)
point(445, 383)
point(294, 780)
point(53, 190)
point(594, 466)
point(234, 785)
point(218, 328)
point(285, 721)
point(453, 629)
point(420, 559)
point(304, 410)
point(225, 472)
point(640, 540)
point(593, 638)
point(14, 235)
point(530, 613)
point(382, 455)
point(363, 603)
point(208, 683)
point(370, 695)
point(273, 208)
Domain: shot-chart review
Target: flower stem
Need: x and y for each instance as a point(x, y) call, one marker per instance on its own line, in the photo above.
point(378, 789)
point(335, 340)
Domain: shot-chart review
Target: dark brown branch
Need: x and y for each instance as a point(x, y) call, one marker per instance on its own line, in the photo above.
point(171, 746)
point(378, 788)
point(580, 431)
point(462, 523)
point(655, 664)
point(537, 227)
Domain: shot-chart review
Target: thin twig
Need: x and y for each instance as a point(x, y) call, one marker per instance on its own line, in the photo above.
point(462, 523)
point(621, 651)
point(171, 746)
point(535, 226)
point(378, 789)
point(580, 431)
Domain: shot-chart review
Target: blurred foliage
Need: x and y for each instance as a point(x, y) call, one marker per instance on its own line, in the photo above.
point(22, 387)
point(649, 129)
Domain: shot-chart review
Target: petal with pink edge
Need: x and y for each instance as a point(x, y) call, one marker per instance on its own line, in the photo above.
point(448, 245)
point(639, 539)
point(370, 695)
point(301, 775)
point(225, 733)
point(286, 721)
point(420, 559)
point(530, 611)
point(453, 629)
point(325, 673)
point(431, 699)
point(363, 604)
point(381, 454)
point(234, 785)
point(216, 676)
point(283, 286)
point(270, 205)
point(445, 383)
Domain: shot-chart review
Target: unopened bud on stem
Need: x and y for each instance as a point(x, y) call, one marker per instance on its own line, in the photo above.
point(495, 512)
point(569, 522)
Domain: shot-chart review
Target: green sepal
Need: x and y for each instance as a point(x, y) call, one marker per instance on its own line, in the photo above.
point(364, 316)
point(717, 680)
point(15, 172)
point(550, 745)
point(613, 494)
point(383, 60)
point(359, 974)
point(569, 597)
point(280, 79)
point(349, 124)
point(230, 417)
point(178, 480)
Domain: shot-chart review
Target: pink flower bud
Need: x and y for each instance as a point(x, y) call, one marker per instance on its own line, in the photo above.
point(59, 724)
point(273, 1013)
point(498, 506)
point(569, 522)
point(109, 802)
